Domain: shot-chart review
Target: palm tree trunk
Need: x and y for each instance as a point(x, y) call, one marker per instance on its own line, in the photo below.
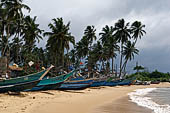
point(68, 62)
point(121, 59)
point(124, 66)
point(9, 50)
point(112, 65)
point(2, 35)
point(103, 64)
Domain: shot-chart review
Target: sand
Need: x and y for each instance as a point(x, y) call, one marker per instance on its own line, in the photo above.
point(90, 100)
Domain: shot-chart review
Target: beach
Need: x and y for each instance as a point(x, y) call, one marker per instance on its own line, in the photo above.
point(90, 100)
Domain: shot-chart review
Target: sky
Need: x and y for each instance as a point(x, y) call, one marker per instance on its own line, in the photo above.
point(154, 46)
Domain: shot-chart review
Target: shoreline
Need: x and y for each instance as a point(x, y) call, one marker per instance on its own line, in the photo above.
point(90, 100)
point(122, 105)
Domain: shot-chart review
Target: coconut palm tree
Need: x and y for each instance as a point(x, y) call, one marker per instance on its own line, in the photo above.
point(90, 35)
point(82, 48)
point(137, 30)
point(106, 34)
point(138, 68)
point(30, 33)
point(72, 56)
point(109, 41)
point(12, 12)
point(122, 35)
point(16, 50)
point(59, 39)
point(129, 52)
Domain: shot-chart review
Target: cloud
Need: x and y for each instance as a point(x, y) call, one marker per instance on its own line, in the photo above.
point(154, 46)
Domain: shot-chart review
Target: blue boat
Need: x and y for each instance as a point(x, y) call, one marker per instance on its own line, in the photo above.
point(119, 82)
point(51, 83)
point(126, 82)
point(73, 86)
point(96, 82)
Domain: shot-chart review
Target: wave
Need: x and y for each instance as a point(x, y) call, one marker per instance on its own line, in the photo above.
point(139, 97)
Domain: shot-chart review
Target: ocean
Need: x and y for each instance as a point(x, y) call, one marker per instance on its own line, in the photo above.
point(156, 99)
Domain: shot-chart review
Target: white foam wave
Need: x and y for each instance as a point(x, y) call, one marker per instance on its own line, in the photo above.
point(139, 97)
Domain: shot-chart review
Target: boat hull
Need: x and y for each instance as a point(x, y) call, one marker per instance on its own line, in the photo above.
point(73, 86)
point(23, 79)
point(18, 87)
point(51, 83)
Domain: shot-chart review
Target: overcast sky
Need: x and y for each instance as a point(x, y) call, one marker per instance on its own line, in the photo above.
point(155, 14)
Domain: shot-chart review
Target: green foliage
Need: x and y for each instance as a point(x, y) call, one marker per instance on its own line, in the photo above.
point(153, 76)
point(59, 39)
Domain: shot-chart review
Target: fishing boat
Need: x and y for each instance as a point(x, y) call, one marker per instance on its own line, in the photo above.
point(51, 83)
point(18, 87)
point(125, 82)
point(28, 82)
point(73, 86)
point(96, 82)
point(22, 79)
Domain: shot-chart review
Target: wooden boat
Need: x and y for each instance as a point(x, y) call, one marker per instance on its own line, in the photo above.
point(96, 82)
point(22, 85)
point(18, 87)
point(155, 82)
point(51, 83)
point(22, 79)
point(73, 86)
point(125, 82)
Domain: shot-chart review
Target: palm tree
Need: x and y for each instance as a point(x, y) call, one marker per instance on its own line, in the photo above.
point(122, 35)
point(59, 39)
point(138, 68)
point(11, 11)
point(30, 33)
point(72, 56)
point(129, 52)
point(109, 41)
point(16, 50)
point(2, 21)
point(106, 34)
point(82, 48)
point(137, 30)
point(90, 34)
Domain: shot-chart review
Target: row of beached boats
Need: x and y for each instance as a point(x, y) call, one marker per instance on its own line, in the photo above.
point(38, 82)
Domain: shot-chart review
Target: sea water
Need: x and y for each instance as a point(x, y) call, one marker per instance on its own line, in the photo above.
point(156, 99)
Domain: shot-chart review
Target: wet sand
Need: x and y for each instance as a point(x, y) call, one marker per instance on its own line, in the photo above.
point(122, 105)
point(90, 100)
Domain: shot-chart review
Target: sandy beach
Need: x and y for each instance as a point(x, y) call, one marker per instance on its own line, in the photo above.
point(90, 100)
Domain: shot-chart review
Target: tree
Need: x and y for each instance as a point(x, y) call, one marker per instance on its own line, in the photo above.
point(129, 52)
point(31, 33)
point(109, 41)
point(11, 13)
point(137, 30)
point(90, 35)
point(138, 68)
point(122, 35)
point(16, 46)
point(59, 39)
